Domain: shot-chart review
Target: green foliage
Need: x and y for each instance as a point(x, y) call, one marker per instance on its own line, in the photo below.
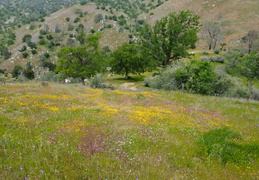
point(82, 62)
point(171, 36)
point(47, 55)
point(249, 68)
point(42, 42)
point(77, 19)
point(34, 52)
point(4, 52)
point(47, 64)
point(98, 18)
point(227, 85)
point(43, 32)
point(25, 55)
point(83, 3)
point(218, 58)
point(24, 48)
point(127, 59)
point(67, 19)
point(197, 77)
point(10, 42)
point(232, 60)
point(78, 11)
point(6, 78)
point(222, 144)
point(217, 51)
point(70, 27)
point(26, 38)
point(17, 71)
point(205, 52)
point(28, 71)
point(32, 45)
point(98, 81)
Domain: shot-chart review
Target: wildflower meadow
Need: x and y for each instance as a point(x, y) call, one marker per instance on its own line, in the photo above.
point(74, 132)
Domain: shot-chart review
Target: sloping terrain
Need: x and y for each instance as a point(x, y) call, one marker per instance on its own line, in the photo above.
point(73, 132)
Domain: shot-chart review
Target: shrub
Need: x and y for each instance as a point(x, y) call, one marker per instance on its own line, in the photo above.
point(24, 48)
point(255, 93)
point(204, 58)
point(67, 19)
point(42, 42)
point(98, 18)
point(70, 27)
point(77, 19)
point(6, 78)
point(17, 71)
point(205, 52)
point(29, 73)
point(194, 77)
point(25, 55)
point(34, 52)
point(50, 76)
point(47, 55)
point(26, 38)
point(224, 81)
point(47, 64)
point(98, 81)
point(219, 59)
point(217, 51)
point(83, 3)
point(43, 32)
point(165, 79)
point(32, 45)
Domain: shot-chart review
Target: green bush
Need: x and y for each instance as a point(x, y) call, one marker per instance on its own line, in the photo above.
point(198, 77)
point(217, 51)
point(83, 3)
point(6, 78)
point(98, 81)
point(77, 19)
point(34, 52)
point(25, 55)
point(24, 48)
point(204, 58)
point(50, 76)
point(42, 42)
point(17, 71)
point(218, 58)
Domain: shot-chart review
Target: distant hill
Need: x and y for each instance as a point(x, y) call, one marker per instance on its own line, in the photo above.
point(120, 20)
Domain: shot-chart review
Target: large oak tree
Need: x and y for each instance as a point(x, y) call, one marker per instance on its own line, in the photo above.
point(128, 59)
point(82, 61)
point(171, 37)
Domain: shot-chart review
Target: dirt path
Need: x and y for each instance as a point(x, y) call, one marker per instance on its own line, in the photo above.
point(131, 86)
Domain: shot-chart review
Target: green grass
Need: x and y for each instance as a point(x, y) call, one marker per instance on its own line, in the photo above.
point(72, 132)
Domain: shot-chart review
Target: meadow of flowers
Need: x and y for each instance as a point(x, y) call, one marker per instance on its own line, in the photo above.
point(73, 132)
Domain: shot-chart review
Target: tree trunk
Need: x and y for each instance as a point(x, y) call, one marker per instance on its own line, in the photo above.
point(127, 75)
point(83, 81)
point(210, 46)
point(249, 48)
point(250, 89)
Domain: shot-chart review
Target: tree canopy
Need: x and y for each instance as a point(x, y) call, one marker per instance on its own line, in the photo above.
point(170, 37)
point(249, 67)
point(128, 59)
point(82, 61)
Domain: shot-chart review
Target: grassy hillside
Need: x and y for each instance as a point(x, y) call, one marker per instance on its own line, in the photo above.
point(73, 132)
